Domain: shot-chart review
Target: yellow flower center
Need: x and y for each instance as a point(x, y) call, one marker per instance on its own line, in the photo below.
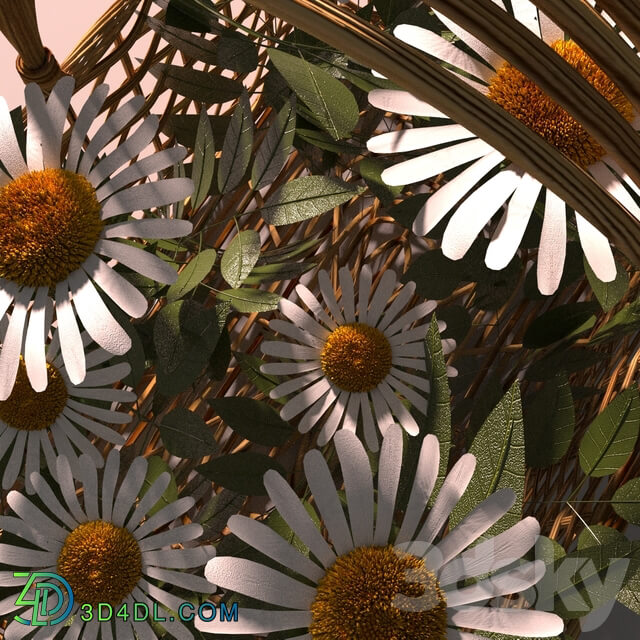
point(101, 562)
point(357, 598)
point(49, 225)
point(356, 357)
point(28, 410)
point(512, 90)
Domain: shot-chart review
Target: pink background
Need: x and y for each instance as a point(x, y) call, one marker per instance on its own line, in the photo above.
point(62, 24)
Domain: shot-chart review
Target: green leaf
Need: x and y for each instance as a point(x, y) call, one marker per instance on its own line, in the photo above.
point(405, 212)
point(626, 501)
point(240, 257)
point(569, 360)
point(250, 366)
point(438, 420)
point(608, 293)
point(278, 271)
point(389, 10)
point(201, 86)
point(192, 46)
point(236, 52)
point(371, 169)
point(322, 140)
point(248, 300)
point(204, 158)
point(216, 514)
point(185, 434)
point(195, 271)
point(436, 276)
point(185, 334)
point(253, 420)
point(559, 323)
point(156, 467)
point(499, 450)
point(274, 150)
point(305, 198)
point(237, 146)
point(188, 15)
point(611, 437)
point(332, 104)
point(597, 534)
point(627, 320)
point(184, 127)
point(241, 472)
point(549, 421)
point(629, 595)
point(221, 357)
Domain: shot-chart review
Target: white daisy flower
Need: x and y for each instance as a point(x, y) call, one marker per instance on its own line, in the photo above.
point(64, 412)
point(56, 226)
point(108, 549)
point(490, 182)
point(357, 585)
point(352, 355)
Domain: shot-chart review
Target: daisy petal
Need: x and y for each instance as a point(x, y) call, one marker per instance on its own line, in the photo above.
point(129, 490)
point(298, 317)
point(181, 579)
point(446, 197)
point(483, 517)
point(149, 228)
point(553, 244)
point(515, 622)
point(15, 460)
point(53, 505)
point(148, 500)
point(120, 290)
point(274, 546)
point(135, 258)
point(329, 296)
point(610, 182)
point(182, 558)
point(317, 410)
point(126, 151)
point(402, 102)
point(12, 342)
point(258, 621)
point(334, 419)
point(296, 333)
point(68, 488)
point(474, 213)
point(348, 294)
point(492, 554)
point(358, 485)
point(257, 581)
point(388, 478)
point(109, 480)
point(597, 250)
point(364, 289)
point(526, 13)
point(455, 484)
point(414, 139)
point(549, 30)
point(34, 351)
point(436, 46)
point(314, 306)
point(507, 237)
point(36, 518)
point(381, 297)
point(326, 498)
point(434, 163)
point(164, 516)
point(22, 557)
point(10, 153)
point(70, 339)
point(86, 117)
point(114, 124)
point(513, 581)
point(304, 399)
point(295, 515)
point(96, 317)
point(177, 535)
point(141, 169)
point(147, 196)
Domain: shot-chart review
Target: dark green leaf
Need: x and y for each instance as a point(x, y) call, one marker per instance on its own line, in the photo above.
point(329, 100)
point(195, 271)
point(221, 357)
point(627, 320)
point(157, 466)
point(626, 501)
point(185, 334)
point(549, 421)
point(405, 212)
point(597, 534)
point(237, 146)
point(192, 46)
point(305, 198)
point(436, 276)
point(241, 472)
point(184, 127)
point(274, 150)
point(371, 169)
point(236, 52)
point(499, 451)
point(201, 86)
point(324, 141)
point(216, 514)
point(278, 271)
point(240, 257)
point(608, 293)
point(250, 366)
point(204, 158)
point(569, 360)
point(611, 437)
point(186, 435)
point(559, 323)
point(253, 420)
point(248, 300)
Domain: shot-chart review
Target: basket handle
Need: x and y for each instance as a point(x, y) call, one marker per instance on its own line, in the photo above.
point(35, 63)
